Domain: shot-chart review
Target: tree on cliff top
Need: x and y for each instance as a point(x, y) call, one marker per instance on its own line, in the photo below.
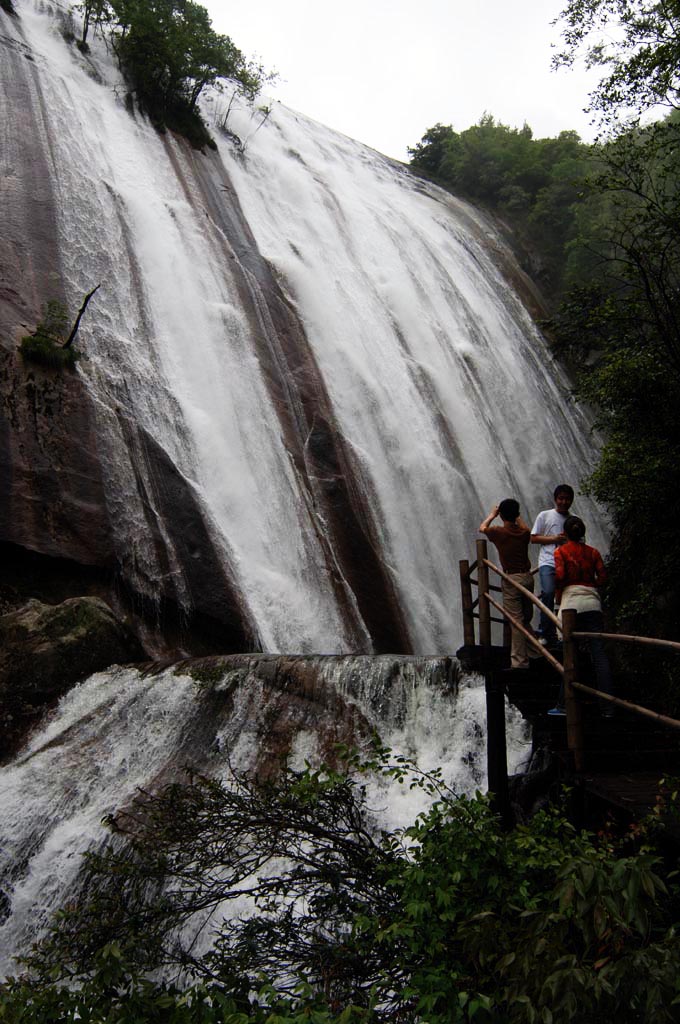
point(169, 52)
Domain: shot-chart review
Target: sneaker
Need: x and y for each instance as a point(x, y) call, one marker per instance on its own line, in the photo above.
point(558, 711)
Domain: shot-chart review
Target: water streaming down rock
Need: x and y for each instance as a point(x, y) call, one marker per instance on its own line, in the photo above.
point(306, 374)
point(125, 729)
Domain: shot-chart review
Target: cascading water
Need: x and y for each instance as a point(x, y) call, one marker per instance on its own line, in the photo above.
point(122, 730)
point(310, 353)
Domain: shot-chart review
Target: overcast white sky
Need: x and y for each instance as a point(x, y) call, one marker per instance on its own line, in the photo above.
point(384, 71)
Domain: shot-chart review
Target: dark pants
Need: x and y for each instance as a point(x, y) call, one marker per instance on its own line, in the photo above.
point(593, 622)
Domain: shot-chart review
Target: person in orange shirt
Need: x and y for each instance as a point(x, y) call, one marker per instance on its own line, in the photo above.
point(579, 573)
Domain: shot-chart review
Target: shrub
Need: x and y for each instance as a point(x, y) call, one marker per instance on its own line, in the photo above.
point(449, 920)
point(46, 345)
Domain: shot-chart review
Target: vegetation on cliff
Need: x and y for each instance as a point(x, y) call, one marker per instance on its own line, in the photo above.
point(451, 919)
point(169, 52)
point(534, 185)
point(47, 344)
point(621, 328)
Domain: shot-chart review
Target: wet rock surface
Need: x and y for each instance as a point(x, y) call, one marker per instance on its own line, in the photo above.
point(45, 649)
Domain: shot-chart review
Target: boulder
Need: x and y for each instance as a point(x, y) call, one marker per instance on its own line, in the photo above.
point(45, 649)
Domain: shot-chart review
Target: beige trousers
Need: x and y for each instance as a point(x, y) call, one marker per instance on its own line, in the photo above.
point(521, 608)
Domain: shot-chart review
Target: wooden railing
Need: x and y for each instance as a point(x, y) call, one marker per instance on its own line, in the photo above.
point(568, 669)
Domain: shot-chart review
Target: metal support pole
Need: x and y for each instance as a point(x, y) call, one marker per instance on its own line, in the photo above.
point(507, 634)
point(496, 755)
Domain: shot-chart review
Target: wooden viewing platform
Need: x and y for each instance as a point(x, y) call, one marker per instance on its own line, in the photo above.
point(613, 764)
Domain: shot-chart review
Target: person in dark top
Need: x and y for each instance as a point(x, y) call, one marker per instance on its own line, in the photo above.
point(579, 572)
point(512, 542)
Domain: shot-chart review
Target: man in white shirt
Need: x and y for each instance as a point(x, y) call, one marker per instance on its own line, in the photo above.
point(548, 531)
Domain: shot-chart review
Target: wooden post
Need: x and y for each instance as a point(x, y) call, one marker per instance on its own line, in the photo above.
point(496, 754)
point(483, 588)
point(466, 600)
point(507, 634)
point(496, 751)
point(572, 704)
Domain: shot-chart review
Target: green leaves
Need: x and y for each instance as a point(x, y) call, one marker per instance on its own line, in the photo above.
point(452, 920)
point(170, 52)
point(635, 42)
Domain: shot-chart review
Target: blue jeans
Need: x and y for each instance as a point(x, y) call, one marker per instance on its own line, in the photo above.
point(546, 574)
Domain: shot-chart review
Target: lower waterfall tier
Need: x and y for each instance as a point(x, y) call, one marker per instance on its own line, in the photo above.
point(127, 729)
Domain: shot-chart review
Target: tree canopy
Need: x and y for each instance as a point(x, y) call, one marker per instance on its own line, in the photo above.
point(532, 184)
point(635, 42)
point(169, 52)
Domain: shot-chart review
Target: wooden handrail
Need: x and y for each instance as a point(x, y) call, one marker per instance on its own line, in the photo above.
point(492, 587)
point(568, 670)
point(628, 705)
point(651, 641)
point(523, 590)
point(530, 637)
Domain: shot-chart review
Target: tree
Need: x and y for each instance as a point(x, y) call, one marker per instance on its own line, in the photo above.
point(95, 13)
point(636, 42)
point(620, 327)
point(169, 53)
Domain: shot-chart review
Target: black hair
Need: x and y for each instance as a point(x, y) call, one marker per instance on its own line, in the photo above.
point(574, 528)
point(509, 509)
point(564, 489)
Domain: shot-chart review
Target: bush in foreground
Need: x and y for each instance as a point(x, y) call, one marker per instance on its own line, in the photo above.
point(451, 919)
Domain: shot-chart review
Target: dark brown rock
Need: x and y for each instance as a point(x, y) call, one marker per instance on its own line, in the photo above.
point(52, 494)
point(45, 649)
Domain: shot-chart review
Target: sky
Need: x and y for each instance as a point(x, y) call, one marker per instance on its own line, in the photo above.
point(384, 71)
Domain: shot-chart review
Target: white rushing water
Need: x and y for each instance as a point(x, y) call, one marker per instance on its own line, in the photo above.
point(442, 389)
point(119, 731)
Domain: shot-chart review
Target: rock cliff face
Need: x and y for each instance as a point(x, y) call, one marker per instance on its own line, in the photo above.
point(53, 500)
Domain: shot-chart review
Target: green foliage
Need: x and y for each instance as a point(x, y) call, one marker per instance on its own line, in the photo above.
point(620, 330)
point(169, 53)
point(533, 184)
point(46, 345)
point(449, 920)
point(635, 42)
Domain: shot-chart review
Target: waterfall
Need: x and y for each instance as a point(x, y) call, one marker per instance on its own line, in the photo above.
point(310, 372)
point(123, 729)
point(309, 376)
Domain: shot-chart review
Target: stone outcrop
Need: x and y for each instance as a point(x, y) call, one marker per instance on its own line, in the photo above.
point(45, 649)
